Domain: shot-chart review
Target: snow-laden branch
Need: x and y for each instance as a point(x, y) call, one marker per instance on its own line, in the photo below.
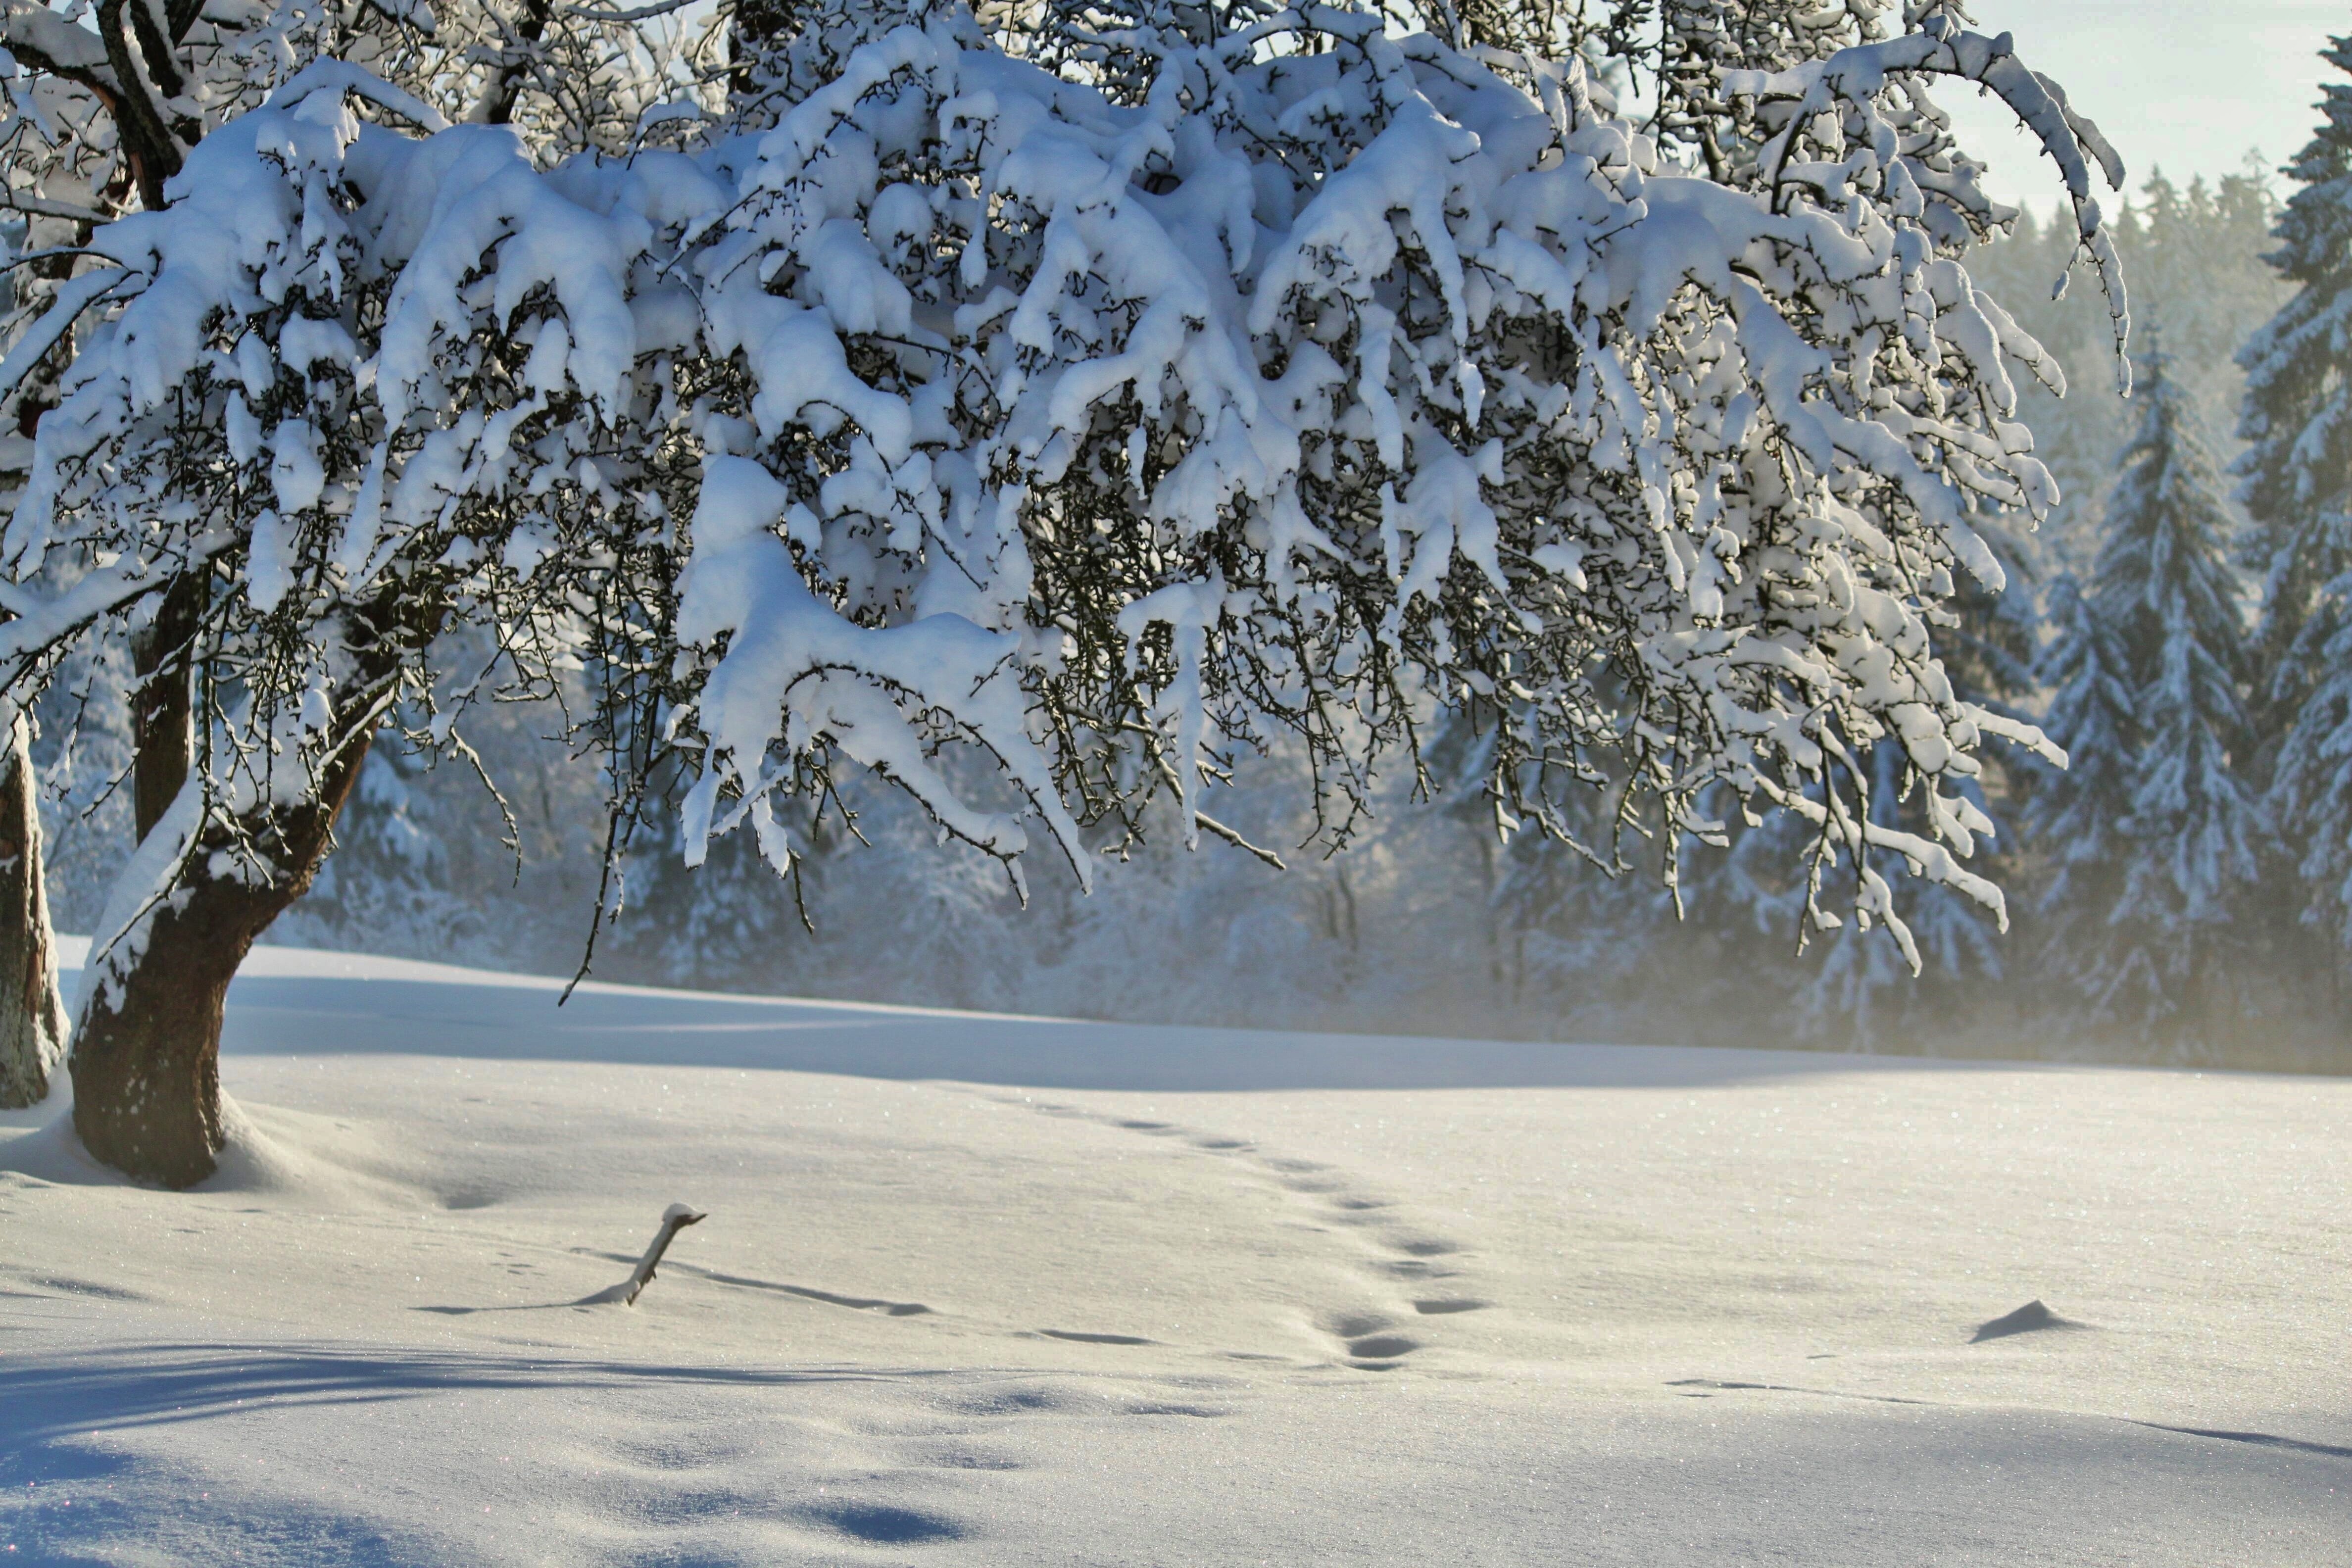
point(1851, 79)
point(969, 410)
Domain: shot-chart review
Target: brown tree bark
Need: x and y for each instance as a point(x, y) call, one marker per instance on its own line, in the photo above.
point(146, 141)
point(33, 1022)
point(146, 1053)
point(146, 1057)
point(162, 742)
point(498, 95)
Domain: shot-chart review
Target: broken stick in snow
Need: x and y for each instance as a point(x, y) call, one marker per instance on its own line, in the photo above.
point(674, 1218)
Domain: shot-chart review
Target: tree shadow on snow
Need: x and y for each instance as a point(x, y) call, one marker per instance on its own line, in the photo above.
point(166, 1384)
point(67, 1500)
point(64, 1503)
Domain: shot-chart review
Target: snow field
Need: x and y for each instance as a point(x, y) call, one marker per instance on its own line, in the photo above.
point(1200, 1298)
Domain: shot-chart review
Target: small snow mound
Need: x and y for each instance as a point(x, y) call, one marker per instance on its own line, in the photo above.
point(306, 1160)
point(52, 1152)
point(253, 1161)
point(303, 1161)
point(2026, 1319)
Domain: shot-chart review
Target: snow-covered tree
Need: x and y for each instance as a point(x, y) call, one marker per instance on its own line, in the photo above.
point(2297, 474)
point(2310, 792)
point(2195, 258)
point(2151, 903)
point(2076, 814)
point(2297, 485)
point(106, 103)
point(1035, 442)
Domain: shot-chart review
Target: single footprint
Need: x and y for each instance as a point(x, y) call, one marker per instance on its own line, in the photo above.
point(1439, 1306)
point(1371, 1345)
point(1356, 1325)
point(1383, 1347)
point(1314, 1185)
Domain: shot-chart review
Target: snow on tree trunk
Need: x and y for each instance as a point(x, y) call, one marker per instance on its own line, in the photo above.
point(146, 1056)
point(32, 1015)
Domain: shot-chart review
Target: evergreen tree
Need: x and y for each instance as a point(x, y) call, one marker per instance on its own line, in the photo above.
point(2297, 487)
point(2297, 416)
point(2311, 779)
point(2158, 834)
point(2076, 816)
point(2195, 259)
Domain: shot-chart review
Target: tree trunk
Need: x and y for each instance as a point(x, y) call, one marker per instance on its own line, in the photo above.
point(163, 741)
point(33, 1021)
point(146, 1057)
point(496, 106)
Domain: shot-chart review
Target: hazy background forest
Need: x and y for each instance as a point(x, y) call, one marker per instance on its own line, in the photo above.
point(1429, 922)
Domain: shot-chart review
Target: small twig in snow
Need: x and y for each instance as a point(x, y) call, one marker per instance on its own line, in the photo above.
point(674, 1218)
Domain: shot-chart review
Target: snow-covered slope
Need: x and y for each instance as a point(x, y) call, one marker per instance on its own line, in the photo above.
point(979, 1289)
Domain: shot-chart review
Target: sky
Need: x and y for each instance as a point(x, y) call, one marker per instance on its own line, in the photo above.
point(2187, 86)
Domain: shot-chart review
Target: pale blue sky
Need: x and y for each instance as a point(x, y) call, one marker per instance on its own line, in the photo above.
point(2187, 85)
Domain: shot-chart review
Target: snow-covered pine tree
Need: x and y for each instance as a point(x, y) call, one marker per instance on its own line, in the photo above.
point(1332, 378)
point(2310, 792)
point(2195, 257)
point(2151, 907)
point(2296, 473)
point(2297, 486)
point(2075, 815)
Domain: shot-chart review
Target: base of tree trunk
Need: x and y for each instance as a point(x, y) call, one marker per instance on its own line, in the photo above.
point(146, 1052)
point(32, 1023)
point(146, 1074)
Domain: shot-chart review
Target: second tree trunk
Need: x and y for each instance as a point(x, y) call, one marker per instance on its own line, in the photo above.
point(32, 1023)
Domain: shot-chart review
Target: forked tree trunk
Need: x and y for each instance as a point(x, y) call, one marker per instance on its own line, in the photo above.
point(33, 1021)
point(146, 1056)
point(146, 1053)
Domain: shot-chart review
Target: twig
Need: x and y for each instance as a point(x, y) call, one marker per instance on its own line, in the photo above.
point(1212, 824)
point(674, 1218)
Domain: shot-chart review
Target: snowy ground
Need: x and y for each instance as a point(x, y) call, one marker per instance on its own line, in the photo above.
point(990, 1290)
